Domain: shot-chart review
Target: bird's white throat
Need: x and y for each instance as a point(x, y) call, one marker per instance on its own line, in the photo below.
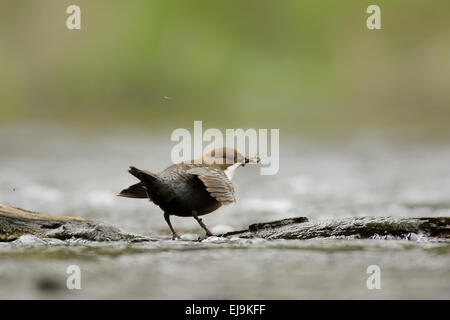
point(229, 172)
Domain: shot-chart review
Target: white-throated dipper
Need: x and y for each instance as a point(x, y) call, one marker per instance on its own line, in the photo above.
point(192, 188)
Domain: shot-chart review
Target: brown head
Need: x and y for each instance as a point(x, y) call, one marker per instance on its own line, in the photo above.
point(222, 158)
point(226, 159)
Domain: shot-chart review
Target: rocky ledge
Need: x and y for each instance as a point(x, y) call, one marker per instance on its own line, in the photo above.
point(16, 222)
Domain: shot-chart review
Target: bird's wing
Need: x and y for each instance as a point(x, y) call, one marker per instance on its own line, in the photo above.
point(216, 183)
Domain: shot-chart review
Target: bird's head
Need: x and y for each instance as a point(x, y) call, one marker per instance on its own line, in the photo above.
point(227, 159)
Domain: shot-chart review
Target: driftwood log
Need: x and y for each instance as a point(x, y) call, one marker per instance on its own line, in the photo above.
point(16, 222)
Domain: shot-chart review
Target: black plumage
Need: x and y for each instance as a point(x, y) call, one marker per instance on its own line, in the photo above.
point(189, 189)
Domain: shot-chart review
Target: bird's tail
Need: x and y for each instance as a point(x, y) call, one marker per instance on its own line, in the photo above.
point(147, 178)
point(150, 182)
point(135, 191)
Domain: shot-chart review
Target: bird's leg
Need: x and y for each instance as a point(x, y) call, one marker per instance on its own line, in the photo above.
point(200, 222)
point(174, 233)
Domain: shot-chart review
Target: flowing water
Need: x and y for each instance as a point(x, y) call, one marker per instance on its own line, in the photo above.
point(59, 172)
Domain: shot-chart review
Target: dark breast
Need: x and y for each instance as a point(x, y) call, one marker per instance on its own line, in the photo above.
point(184, 192)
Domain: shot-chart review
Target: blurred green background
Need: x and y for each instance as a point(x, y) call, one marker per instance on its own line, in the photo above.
point(298, 65)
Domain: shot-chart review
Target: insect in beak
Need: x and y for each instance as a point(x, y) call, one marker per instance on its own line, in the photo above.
point(255, 159)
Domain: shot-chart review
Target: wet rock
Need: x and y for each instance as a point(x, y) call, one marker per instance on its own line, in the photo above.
point(360, 227)
point(15, 223)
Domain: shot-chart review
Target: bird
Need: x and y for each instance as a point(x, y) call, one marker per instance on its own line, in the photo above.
point(192, 188)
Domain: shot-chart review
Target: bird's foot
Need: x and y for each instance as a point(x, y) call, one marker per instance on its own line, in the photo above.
point(175, 236)
point(206, 236)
